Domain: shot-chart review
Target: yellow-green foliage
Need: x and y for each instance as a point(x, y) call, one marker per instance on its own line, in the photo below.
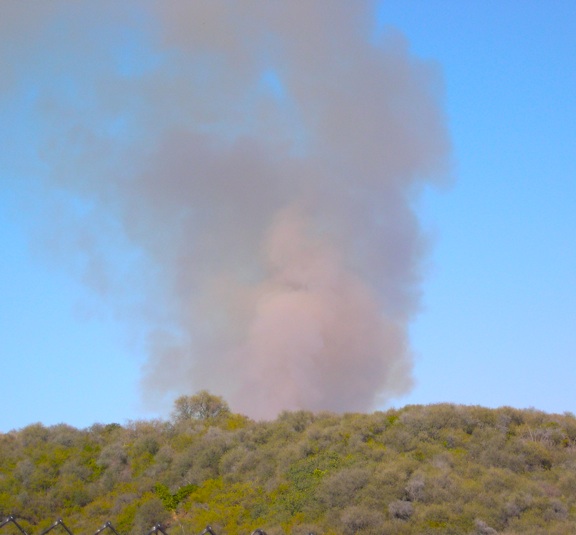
point(438, 469)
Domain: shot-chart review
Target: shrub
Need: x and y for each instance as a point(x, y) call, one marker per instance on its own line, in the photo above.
point(401, 509)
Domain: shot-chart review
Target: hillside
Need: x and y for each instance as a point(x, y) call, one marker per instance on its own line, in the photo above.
point(438, 469)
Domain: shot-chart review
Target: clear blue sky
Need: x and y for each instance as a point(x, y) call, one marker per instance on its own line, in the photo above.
point(497, 325)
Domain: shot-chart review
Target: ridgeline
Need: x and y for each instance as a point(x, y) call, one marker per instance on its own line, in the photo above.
point(437, 469)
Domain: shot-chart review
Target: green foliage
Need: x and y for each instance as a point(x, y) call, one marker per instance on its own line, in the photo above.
point(201, 406)
point(171, 501)
point(435, 469)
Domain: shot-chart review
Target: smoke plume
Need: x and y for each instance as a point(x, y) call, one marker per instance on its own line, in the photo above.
point(262, 159)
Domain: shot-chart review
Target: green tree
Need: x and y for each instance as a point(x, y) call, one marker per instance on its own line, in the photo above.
point(201, 406)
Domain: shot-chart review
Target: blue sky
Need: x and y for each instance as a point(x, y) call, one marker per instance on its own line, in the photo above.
point(497, 325)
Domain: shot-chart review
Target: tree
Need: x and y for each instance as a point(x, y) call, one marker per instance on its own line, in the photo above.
point(201, 406)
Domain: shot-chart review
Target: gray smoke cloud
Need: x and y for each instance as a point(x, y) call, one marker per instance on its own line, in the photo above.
point(263, 158)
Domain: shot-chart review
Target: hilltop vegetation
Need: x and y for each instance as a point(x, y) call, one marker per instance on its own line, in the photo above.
point(438, 469)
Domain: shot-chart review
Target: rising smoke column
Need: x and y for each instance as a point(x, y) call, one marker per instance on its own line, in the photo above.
point(263, 157)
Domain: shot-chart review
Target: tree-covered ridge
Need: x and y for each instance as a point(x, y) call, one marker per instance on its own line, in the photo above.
point(438, 469)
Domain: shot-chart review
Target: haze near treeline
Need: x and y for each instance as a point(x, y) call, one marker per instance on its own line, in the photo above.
point(260, 160)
